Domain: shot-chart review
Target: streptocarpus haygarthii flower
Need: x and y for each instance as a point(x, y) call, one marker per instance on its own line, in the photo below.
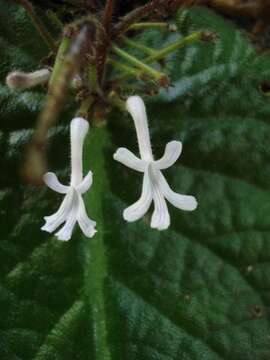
point(155, 187)
point(72, 209)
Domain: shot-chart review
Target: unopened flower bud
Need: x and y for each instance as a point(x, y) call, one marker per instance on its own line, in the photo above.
point(22, 80)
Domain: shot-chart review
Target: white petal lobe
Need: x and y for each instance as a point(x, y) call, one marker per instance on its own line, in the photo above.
point(140, 207)
point(85, 185)
point(53, 183)
point(172, 152)
point(55, 220)
point(128, 159)
point(183, 202)
point(86, 224)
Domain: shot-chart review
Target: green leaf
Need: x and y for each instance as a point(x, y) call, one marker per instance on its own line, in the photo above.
point(199, 290)
point(42, 312)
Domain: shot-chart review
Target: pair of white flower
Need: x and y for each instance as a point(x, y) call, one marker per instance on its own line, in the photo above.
point(155, 187)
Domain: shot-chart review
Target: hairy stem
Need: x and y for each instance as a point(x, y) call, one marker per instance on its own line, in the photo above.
point(148, 25)
point(85, 107)
point(36, 162)
point(138, 63)
point(161, 54)
point(108, 13)
point(125, 68)
point(139, 46)
point(135, 16)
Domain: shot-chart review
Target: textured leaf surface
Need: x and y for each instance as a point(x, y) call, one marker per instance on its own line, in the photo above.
point(197, 291)
point(41, 314)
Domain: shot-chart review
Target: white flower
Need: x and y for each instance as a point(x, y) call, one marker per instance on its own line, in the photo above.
point(72, 208)
point(155, 187)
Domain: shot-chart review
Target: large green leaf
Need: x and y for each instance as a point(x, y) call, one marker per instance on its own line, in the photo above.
point(197, 291)
point(41, 308)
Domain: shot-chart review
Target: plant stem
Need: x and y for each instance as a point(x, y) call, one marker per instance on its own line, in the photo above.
point(36, 162)
point(60, 59)
point(134, 16)
point(38, 24)
point(93, 79)
point(138, 46)
point(196, 36)
point(84, 107)
point(138, 63)
point(148, 25)
point(108, 12)
point(127, 69)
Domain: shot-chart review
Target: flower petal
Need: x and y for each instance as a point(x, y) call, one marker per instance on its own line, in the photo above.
point(65, 232)
point(160, 218)
point(171, 154)
point(78, 130)
point(140, 207)
point(85, 185)
point(86, 224)
point(55, 220)
point(128, 159)
point(136, 108)
point(183, 202)
point(53, 183)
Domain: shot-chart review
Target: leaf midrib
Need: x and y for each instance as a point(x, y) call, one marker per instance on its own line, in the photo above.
point(96, 266)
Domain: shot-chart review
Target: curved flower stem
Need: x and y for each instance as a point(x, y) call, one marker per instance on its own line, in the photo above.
point(161, 54)
point(135, 16)
point(36, 165)
point(60, 58)
point(127, 69)
point(85, 107)
point(148, 25)
point(108, 13)
point(195, 37)
point(138, 63)
point(38, 24)
point(147, 50)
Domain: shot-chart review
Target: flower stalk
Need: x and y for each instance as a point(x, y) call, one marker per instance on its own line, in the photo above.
point(61, 79)
point(133, 44)
point(161, 54)
point(149, 25)
point(157, 75)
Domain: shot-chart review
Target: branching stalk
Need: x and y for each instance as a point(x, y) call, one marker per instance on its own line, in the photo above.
point(138, 63)
point(149, 25)
point(161, 54)
point(62, 77)
point(134, 16)
point(108, 13)
point(147, 50)
point(125, 68)
point(84, 107)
